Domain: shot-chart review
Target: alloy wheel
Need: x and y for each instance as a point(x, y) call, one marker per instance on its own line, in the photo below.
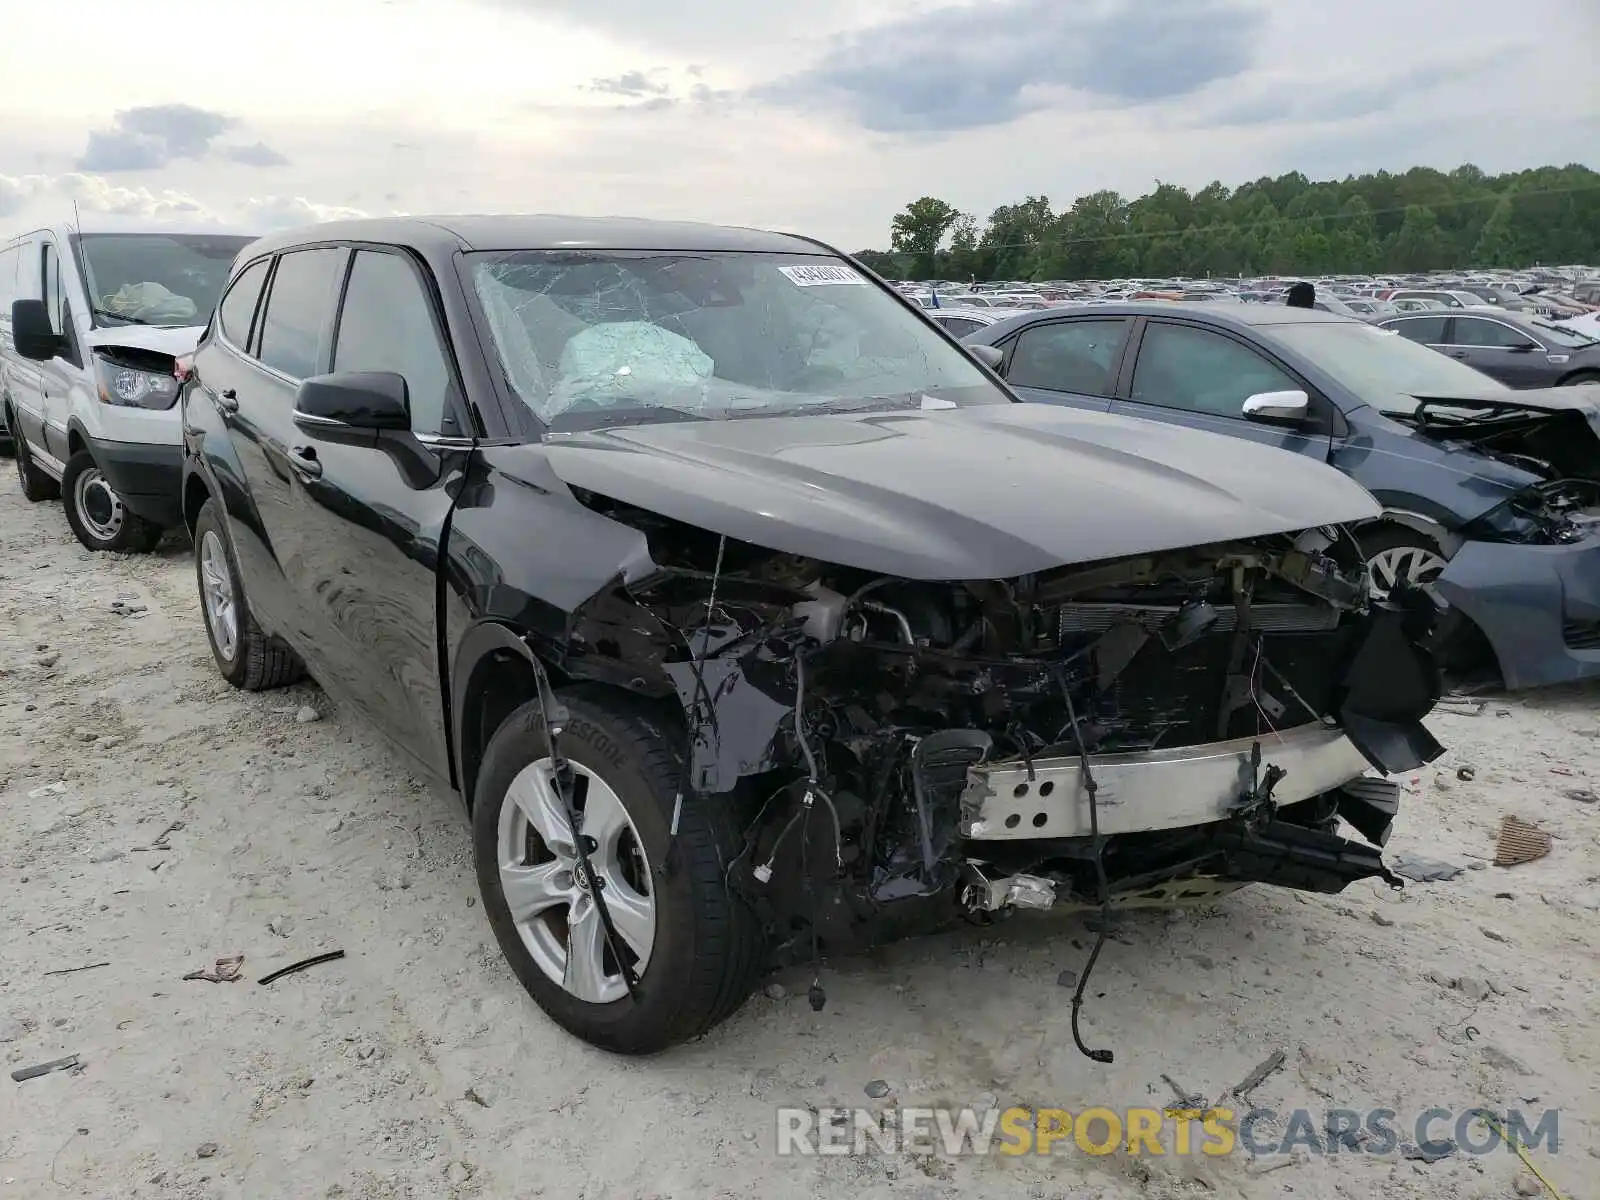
point(1414, 564)
point(216, 592)
point(550, 900)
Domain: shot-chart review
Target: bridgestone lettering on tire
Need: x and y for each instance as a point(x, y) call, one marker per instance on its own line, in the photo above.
point(704, 944)
point(253, 661)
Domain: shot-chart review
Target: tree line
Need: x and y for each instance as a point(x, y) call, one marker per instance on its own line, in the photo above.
point(1421, 220)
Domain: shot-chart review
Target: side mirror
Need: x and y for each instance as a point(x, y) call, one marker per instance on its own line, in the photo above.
point(989, 356)
point(30, 329)
point(353, 406)
point(1526, 347)
point(1277, 406)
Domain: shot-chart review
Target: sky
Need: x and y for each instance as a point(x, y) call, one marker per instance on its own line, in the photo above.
point(817, 116)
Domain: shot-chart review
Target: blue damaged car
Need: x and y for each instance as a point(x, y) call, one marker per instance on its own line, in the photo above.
point(1490, 496)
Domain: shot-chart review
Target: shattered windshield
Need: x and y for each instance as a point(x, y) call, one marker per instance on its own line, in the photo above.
point(603, 338)
point(156, 278)
point(1384, 369)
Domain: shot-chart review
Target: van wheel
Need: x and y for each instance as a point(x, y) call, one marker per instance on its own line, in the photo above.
point(693, 945)
point(246, 657)
point(36, 485)
point(96, 513)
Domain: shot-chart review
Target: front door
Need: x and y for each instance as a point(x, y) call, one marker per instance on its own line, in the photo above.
point(372, 520)
point(1199, 377)
point(1500, 351)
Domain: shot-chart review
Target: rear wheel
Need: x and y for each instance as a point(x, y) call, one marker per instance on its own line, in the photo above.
point(1578, 377)
point(246, 657)
point(693, 945)
point(36, 485)
point(97, 514)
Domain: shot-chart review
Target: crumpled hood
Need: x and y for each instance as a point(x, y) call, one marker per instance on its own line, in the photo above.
point(173, 341)
point(1584, 398)
point(990, 492)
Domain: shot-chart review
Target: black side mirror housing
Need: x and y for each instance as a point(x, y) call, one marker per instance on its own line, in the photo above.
point(1527, 347)
point(31, 331)
point(353, 406)
point(989, 356)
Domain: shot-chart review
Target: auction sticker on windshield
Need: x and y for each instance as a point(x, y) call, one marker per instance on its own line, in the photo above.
point(813, 276)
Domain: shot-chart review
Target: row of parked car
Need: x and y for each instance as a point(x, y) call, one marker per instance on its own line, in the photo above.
point(747, 610)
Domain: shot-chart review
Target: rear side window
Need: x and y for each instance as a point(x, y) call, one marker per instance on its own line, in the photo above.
point(238, 307)
point(387, 325)
point(1427, 330)
point(1069, 356)
point(299, 315)
point(960, 326)
point(55, 295)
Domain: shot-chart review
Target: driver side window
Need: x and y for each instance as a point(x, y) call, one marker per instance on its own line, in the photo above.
point(1194, 369)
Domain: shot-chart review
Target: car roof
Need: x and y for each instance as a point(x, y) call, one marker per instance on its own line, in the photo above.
point(95, 223)
point(545, 232)
point(1237, 316)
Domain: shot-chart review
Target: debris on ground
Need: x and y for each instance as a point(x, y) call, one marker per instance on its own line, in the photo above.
point(1379, 919)
point(69, 1063)
point(877, 1089)
point(1067, 979)
point(125, 608)
point(313, 961)
point(775, 991)
point(1268, 1066)
point(1493, 935)
point(1466, 774)
point(1583, 795)
point(1430, 1153)
point(1424, 870)
point(206, 1150)
point(1187, 1101)
point(1520, 842)
point(306, 715)
point(225, 970)
point(474, 1095)
point(75, 970)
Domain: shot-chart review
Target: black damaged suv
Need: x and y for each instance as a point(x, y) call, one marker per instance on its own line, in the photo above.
point(751, 616)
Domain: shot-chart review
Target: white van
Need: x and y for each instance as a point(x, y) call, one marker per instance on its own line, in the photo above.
point(92, 320)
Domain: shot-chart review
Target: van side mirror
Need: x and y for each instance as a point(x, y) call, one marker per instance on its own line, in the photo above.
point(1285, 406)
point(353, 406)
point(31, 331)
point(989, 356)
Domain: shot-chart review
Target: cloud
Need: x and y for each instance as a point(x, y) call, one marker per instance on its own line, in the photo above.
point(1302, 99)
point(280, 212)
point(92, 193)
point(257, 154)
point(630, 83)
point(973, 66)
point(153, 136)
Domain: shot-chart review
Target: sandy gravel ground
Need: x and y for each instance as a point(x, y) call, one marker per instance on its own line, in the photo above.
point(416, 1066)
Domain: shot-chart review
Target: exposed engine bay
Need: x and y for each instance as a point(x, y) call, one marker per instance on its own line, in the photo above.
point(1556, 446)
point(898, 753)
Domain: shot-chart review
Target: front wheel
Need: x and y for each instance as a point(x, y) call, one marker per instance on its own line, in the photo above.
point(1395, 553)
point(246, 657)
point(96, 513)
point(693, 946)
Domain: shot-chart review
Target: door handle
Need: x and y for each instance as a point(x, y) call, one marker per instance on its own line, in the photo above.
point(227, 401)
point(304, 460)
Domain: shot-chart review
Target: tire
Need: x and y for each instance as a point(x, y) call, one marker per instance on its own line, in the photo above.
point(96, 513)
point(705, 950)
point(1580, 377)
point(248, 659)
point(1385, 547)
point(36, 485)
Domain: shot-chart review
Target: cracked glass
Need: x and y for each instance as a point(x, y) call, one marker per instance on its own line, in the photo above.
point(598, 338)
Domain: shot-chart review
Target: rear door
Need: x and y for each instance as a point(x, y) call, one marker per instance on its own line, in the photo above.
point(1072, 361)
point(1200, 377)
point(371, 520)
point(255, 394)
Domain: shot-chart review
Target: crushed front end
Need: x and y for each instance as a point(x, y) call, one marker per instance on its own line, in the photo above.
point(900, 752)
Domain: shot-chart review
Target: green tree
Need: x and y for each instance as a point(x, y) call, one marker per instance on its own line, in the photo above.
point(918, 230)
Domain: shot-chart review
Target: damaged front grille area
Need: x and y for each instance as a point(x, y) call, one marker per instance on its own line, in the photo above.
point(885, 743)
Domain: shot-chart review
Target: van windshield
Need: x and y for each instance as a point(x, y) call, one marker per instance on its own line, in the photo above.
point(595, 338)
point(169, 279)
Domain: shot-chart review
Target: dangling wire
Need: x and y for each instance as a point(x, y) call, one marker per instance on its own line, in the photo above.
point(1093, 789)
